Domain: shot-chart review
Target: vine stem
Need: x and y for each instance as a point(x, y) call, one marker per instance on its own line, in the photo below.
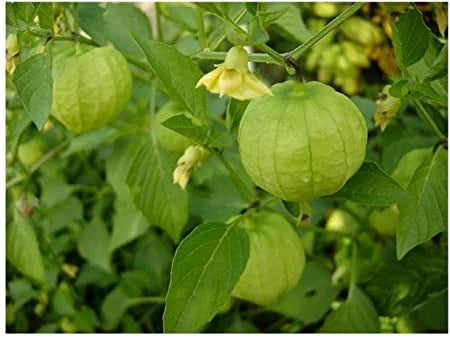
point(246, 193)
point(297, 52)
point(46, 157)
point(201, 29)
point(159, 30)
point(238, 18)
point(220, 56)
point(426, 116)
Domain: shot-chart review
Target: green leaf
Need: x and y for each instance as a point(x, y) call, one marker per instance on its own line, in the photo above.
point(91, 140)
point(122, 22)
point(34, 84)
point(221, 9)
point(62, 301)
point(177, 72)
point(186, 127)
point(439, 67)
point(310, 300)
point(410, 37)
point(235, 111)
point(206, 267)
point(291, 21)
point(372, 186)
point(21, 291)
point(24, 11)
point(150, 180)
point(93, 244)
point(256, 31)
point(22, 249)
point(426, 215)
point(92, 21)
point(408, 164)
point(128, 224)
point(367, 108)
point(400, 286)
point(185, 14)
point(113, 308)
point(356, 315)
point(45, 15)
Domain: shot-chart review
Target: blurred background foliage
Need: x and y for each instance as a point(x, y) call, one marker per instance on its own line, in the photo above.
point(91, 261)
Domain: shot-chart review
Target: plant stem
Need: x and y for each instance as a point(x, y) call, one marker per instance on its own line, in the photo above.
point(220, 56)
point(297, 52)
point(426, 116)
point(201, 29)
point(46, 157)
point(246, 193)
point(159, 30)
point(218, 42)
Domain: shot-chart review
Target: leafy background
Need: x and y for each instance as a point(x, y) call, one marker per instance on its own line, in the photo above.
point(89, 251)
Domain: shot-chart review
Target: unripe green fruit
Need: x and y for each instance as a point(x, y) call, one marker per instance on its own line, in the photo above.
point(343, 222)
point(168, 139)
point(90, 88)
point(276, 260)
point(304, 142)
point(30, 152)
point(385, 221)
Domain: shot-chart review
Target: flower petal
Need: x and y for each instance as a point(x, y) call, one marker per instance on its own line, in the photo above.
point(230, 80)
point(209, 80)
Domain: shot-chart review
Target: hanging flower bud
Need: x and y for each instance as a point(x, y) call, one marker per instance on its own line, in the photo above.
point(193, 158)
point(12, 53)
point(387, 107)
point(234, 79)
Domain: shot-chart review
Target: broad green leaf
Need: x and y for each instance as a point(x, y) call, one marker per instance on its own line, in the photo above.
point(400, 286)
point(408, 164)
point(177, 72)
point(410, 37)
point(122, 22)
point(45, 15)
point(63, 302)
point(92, 21)
point(256, 31)
point(93, 244)
point(183, 13)
point(154, 253)
point(440, 65)
point(113, 308)
point(372, 186)
point(24, 11)
point(15, 133)
point(356, 315)
point(206, 267)
point(426, 215)
point(220, 9)
point(310, 300)
point(86, 320)
point(21, 291)
point(62, 214)
point(291, 21)
point(34, 84)
point(92, 139)
point(128, 224)
point(150, 180)
point(235, 110)
point(22, 249)
point(395, 149)
point(186, 127)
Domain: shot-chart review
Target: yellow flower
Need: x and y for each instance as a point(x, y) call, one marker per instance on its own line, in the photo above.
point(387, 107)
point(12, 53)
point(193, 158)
point(233, 78)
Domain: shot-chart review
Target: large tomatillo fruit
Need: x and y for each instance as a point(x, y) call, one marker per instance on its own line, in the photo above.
point(91, 86)
point(276, 260)
point(303, 142)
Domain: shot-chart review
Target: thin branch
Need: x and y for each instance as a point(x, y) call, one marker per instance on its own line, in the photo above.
point(297, 52)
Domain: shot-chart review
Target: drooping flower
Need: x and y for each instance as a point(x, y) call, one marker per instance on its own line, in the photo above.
point(233, 78)
point(12, 53)
point(387, 107)
point(193, 158)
